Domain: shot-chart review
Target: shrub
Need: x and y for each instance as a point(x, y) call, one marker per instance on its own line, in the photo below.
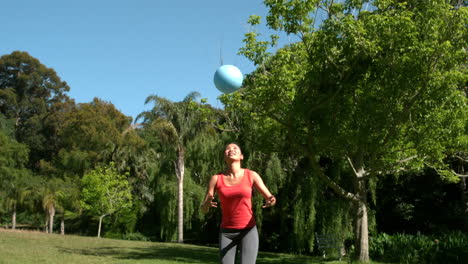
point(135, 237)
point(403, 248)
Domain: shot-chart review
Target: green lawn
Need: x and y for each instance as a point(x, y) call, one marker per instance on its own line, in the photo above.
point(34, 247)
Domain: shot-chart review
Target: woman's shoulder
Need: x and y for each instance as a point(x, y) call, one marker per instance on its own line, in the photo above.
point(251, 172)
point(252, 175)
point(213, 181)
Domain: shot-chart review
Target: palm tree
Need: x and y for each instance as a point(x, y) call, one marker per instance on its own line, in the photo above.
point(176, 124)
point(133, 155)
point(50, 193)
point(69, 200)
point(16, 194)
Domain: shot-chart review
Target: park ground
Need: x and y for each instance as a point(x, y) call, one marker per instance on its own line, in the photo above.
point(28, 247)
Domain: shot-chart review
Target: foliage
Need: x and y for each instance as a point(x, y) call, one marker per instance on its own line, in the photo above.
point(135, 237)
point(334, 96)
point(166, 205)
point(18, 190)
point(16, 183)
point(176, 125)
point(379, 88)
point(51, 193)
point(105, 191)
point(89, 132)
point(13, 159)
point(421, 202)
point(402, 248)
point(28, 92)
point(375, 88)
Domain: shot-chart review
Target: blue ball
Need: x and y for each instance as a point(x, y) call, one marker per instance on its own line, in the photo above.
point(228, 78)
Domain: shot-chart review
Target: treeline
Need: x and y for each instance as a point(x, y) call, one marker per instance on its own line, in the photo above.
point(359, 128)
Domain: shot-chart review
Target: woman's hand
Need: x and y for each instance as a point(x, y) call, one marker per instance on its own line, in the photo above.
point(205, 207)
point(269, 202)
point(208, 204)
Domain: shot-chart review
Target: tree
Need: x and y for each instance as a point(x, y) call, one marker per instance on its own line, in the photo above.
point(69, 200)
point(28, 91)
point(376, 87)
point(17, 192)
point(175, 124)
point(89, 131)
point(105, 192)
point(52, 192)
point(83, 135)
point(13, 158)
point(14, 177)
point(133, 154)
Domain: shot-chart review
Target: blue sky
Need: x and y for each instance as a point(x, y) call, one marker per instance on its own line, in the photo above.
point(124, 50)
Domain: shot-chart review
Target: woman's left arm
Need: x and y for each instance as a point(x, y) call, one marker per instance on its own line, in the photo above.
point(260, 186)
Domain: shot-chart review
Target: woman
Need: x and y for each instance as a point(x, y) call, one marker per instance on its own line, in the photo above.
point(234, 188)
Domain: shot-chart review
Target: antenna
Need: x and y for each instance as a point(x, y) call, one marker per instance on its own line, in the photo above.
point(221, 53)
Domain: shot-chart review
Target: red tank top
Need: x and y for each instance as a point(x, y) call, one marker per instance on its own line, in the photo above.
point(236, 202)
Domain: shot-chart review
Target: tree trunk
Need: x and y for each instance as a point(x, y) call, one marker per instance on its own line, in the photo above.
point(100, 223)
point(51, 219)
point(358, 198)
point(62, 225)
point(362, 232)
point(46, 224)
point(13, 218)
point(180, 191)
point(361, 228)
point(463, 195)
point(464, 199)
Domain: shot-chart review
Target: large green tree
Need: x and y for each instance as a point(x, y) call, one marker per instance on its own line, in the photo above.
point(17, 192)
point(28, 91)
point(13, 156)
point(14, 176)
point(52, 193)
point(69, 200)
point(91, 133)
point(105, 192)
point(175, 124)
point(134, 154)
point(376, 84)
point(84, 135)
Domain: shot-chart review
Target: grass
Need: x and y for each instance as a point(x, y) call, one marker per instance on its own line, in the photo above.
point(34, 247)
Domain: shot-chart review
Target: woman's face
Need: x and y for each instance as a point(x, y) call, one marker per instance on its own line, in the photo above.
point(233, 152)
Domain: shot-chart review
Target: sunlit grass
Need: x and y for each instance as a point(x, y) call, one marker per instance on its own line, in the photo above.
point(34, 247)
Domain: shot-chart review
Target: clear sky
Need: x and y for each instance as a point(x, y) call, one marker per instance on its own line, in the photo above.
point(124, 50)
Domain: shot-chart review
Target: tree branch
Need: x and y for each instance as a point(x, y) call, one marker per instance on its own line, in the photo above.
point(406, 159)
point(460, 175)
point(461, 158)
point(352, 166)
point(331, 183)
point(316, 167)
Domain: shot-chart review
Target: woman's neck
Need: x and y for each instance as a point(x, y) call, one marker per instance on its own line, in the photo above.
point(234, 169)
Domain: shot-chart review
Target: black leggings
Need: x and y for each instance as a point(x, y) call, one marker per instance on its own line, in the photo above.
point(245, 239)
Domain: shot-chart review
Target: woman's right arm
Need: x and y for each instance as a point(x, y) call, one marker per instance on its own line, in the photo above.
point(210, 195)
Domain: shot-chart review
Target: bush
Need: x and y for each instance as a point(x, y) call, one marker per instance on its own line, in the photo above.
point(135, 237)
point(129, 236)
point(112, 235)
point(402, 248)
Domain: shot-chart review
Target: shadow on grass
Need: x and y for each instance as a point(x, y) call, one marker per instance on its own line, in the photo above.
point(180, 254)
point(270, 258)
point(186, 254)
